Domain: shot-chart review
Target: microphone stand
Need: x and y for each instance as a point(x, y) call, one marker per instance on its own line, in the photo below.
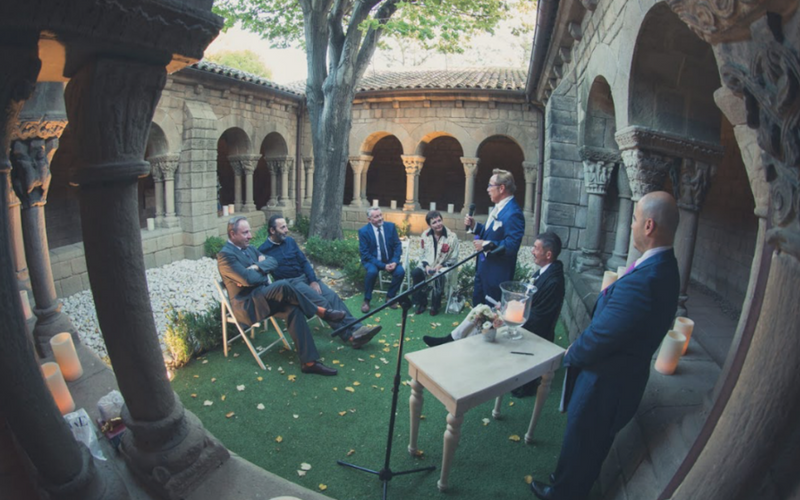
point(386, 474)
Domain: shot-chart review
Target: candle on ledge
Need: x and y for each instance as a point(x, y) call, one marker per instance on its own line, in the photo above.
point(450, 208)
point(151, 224)
point(670, 352)
point(394, 204)
point(375, 203)
point(433, 205)
point(58, 387)
point(225, 211)
point(609, 277)
point(686, 327)
point(515, 312)
point(66, 356)
point(231, 209)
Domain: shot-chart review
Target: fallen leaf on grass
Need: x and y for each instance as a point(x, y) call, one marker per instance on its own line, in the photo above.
point(377, 320)
point(222, 397)
point(194, 395)
point(455, 323)
point(356, 383)
point(259, 378)
point(229, 414)
point(292, 378)
point(385, 362)
point(207, 403)
point(360, 359)
point(485, 421)
point(236, 355)
point(213, 380)
point(323, 487)
point(419, 453)
point(352, 410)
point(514, 438)
point(295, 415)
point(510, 403)
point(528, 479)
point(260, 406)
point(197, 376)
point(342, 413)
point(301, 473)
point(305, 466)
point(240, 388)
point(371, 355)
point(335, 361)
point(349, 453)
point(386, 349)
point(279, 439)
point(378, 375)
point(205, 361)
point(335, 388)
point(349, 389)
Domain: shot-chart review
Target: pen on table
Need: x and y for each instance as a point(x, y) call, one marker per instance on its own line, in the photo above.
point(524, 353)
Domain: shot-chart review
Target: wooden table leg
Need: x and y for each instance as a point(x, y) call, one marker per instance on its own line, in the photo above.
point(451, 438)
point(498, 402)
point(414, 410)
point(541, 396)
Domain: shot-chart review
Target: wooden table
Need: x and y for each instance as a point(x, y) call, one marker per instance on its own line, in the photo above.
point(468, 372)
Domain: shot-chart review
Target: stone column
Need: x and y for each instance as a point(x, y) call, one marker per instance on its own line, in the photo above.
point(110, 103)
point(364, 201)
point(302, 177)
point(65, 469)
point(284, 169)
point(17, 245)
point(529, 168)
point(237, 182)
point(169, 166)
point(246, 164)
point(470, 170)
point(359, 165)
point(292, 187)
point(308, 166)
point(158, 180)
point(690, 183)
point(274, 167)
point(413, 165)
point(623, 233)
point(598, 165)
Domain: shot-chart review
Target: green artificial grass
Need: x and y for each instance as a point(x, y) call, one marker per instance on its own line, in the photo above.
point(318, 420)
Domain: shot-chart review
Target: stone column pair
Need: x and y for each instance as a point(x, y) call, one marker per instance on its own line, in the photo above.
point(279, 166)
point(360, 165)
point(598, 165)
point(244, 165)
point(470, 170)
point(530, 170)
point(163, 168)
point(413, 165)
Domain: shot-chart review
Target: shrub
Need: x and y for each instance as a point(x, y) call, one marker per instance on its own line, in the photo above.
point(260, 236)
point(404, 228)
point(302, 225)
point(212, 245)
point(466, 278)
point(177, 339)
point(189, 333)
point(339, 253)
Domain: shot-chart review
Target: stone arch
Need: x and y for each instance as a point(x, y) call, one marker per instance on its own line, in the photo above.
point(441, 179)
point(364, 138)
point(599, 126)
point(273, 145)
point(528, 144)
point(429, 131)
point(242, 134)
point(232, 141)
point(503, 152)
point(287, 135)
point(386, 175)
point(170, 129)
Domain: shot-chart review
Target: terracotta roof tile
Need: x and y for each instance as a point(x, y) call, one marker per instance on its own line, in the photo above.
point(464, 78)
point(244, 76)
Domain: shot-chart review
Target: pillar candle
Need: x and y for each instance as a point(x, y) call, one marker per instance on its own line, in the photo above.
point(515, 312)
point(231, 209)
point(686, 327)
point(670, 352)
point(621, 271)
point(394, 204)
point(433, 205)
point(26, 304)
point(450, 208)
point(609, 277)
point(66, 356)
point(58, 387)
point(151, 224)
point(375, 203)
point(225, 212)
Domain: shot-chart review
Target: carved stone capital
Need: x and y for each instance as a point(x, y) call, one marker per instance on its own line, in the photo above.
point(717, 21)
point(470, 166)
point(529, 168)
point(590, 153)
point(110, 105)
point(43, 129)
point(308, 163)
point(359, 163)
point(770, 86)
point(646, 171)
point(668, 144)
point(276, 164)
point(413, 164)
point(17, 80)
point(163, 167)
point(597, 175)
point(244, 163)
point(30, 176)
point(690, 183)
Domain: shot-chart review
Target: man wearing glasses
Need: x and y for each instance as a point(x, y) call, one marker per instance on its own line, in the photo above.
point(504, 228)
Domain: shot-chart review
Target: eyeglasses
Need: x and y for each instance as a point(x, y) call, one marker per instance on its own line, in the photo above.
point(490, 186)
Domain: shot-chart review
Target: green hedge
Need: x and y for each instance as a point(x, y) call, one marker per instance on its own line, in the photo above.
point(191, 333)
point(342, 254)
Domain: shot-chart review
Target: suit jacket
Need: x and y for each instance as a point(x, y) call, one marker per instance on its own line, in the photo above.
point(507, 230)
point(368, 245)
point(610, 360)
point(547, 301)
point(243, 285)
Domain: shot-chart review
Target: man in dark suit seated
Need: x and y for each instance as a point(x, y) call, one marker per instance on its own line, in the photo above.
point(245, 271)
point(609, 363)
point(380, 250)
point(547, 301)
point(294, 267)
point(505, 227)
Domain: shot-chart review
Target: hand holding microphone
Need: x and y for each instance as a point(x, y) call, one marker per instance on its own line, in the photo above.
point(469, 222)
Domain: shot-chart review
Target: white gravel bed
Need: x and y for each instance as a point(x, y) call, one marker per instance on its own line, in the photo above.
point(186, 285)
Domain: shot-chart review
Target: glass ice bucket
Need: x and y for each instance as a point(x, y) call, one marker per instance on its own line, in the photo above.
point(515, 306)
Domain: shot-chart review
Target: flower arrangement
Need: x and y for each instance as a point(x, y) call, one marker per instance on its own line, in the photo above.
point(482, 314)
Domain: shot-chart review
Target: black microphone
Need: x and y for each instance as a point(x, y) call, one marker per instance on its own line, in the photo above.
point(471, 213)
point(499, 250)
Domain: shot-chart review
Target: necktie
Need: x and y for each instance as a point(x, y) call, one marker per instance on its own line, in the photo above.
point(536, 274)
point(382, 245)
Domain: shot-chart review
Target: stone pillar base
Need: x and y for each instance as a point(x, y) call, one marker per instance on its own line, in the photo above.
point(250, 207)
point(357, 202)
point(616, 261)
point(589, 262)
point(171, 221)
point(97, 481)
point(682, 310)
point(410, 207)
point(174, 456)
point(48, 324)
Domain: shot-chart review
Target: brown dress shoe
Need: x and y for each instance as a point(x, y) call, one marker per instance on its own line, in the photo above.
point(365, 307)
point(393, 305)
point(363, 335)
point(333, 316)
point(318, 369)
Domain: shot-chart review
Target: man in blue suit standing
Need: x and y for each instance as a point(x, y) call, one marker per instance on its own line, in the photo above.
point(380, 250)
point(505, 227)
point(609, 363)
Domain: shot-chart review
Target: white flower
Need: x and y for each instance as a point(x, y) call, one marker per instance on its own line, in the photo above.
point(487, 325)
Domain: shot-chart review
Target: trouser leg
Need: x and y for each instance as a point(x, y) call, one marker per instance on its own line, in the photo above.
point(301, 335)
point(369, 281)
point(421, 294)
point(397, 279)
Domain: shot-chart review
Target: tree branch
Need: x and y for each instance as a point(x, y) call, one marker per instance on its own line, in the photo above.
point(370, 41)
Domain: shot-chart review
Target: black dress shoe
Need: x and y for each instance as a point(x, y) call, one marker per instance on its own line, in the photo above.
point(420, 309)
point(318, 369)
point(542, 491)
point(363, 335)
point(333, 316)
point(434, 311)
point(434, 341)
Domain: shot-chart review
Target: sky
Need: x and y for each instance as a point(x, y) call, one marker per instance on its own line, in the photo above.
point(289, 65)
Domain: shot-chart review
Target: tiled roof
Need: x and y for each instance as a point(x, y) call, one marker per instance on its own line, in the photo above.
point(245, 77)
point(463, 78)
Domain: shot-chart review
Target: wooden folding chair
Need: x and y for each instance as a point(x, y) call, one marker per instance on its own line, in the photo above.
point(385, 279)
point(228, 317)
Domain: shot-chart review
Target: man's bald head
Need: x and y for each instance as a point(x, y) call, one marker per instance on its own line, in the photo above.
point(655, 221)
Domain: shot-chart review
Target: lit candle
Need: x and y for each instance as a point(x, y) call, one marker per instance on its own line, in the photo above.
point(686, 327)
point(225, 212)
point(394, 204)
point(375, 203)
point(66, 356)
point(609, 277)
point(515, 312)
point(670, 352)
point(151, 224)
point(231, 209)
point(450, 208)
point(58, 388)
point(26, 304)
point(433, 205)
